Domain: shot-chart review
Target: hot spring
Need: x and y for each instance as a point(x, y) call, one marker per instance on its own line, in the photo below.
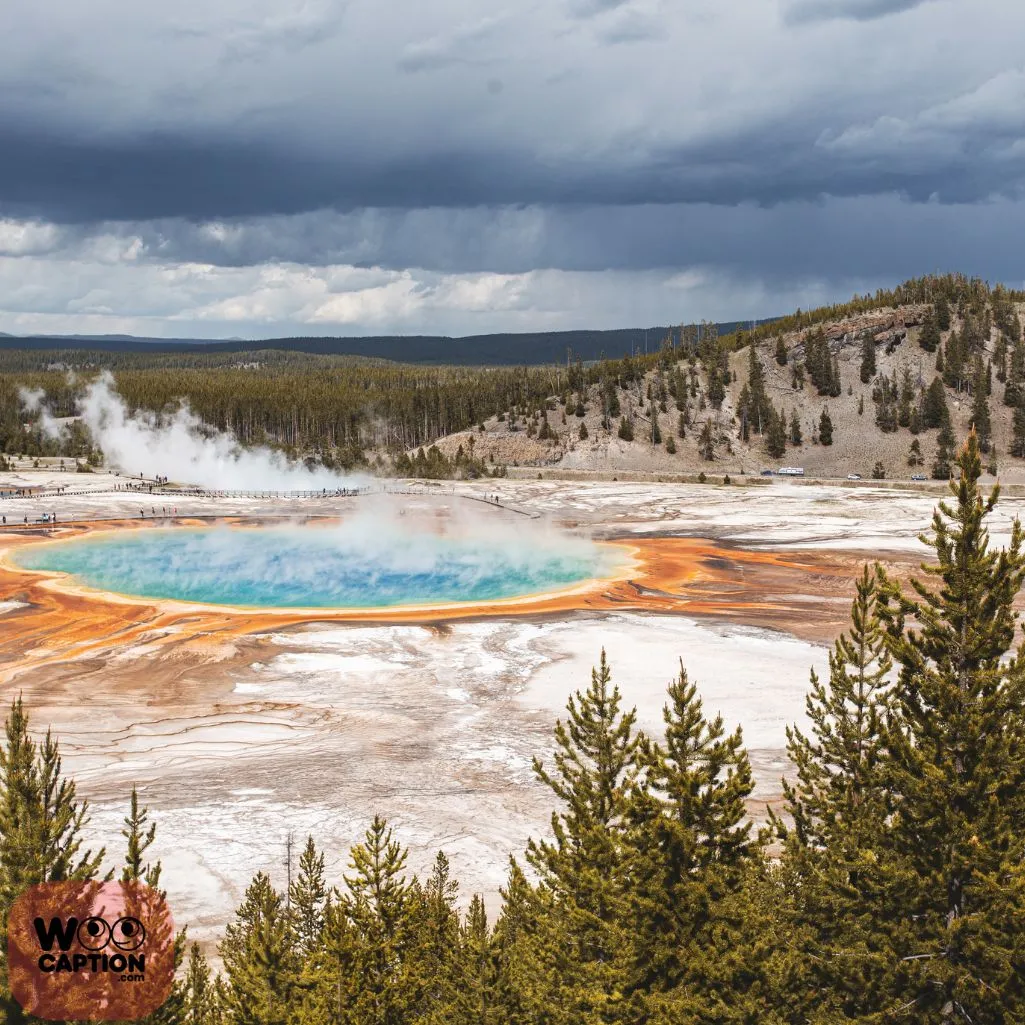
point(321, 566)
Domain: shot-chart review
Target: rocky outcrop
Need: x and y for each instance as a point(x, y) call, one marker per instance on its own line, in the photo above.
point(888, 327)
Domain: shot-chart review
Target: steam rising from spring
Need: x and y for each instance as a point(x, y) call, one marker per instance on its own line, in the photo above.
point(183, 448)
point(32, 400)
point(375, 558)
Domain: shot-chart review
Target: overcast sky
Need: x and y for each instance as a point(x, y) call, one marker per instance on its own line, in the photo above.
point(260, 167)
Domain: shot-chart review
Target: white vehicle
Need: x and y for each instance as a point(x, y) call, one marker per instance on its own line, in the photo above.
point(791, 471)
point(854, 476)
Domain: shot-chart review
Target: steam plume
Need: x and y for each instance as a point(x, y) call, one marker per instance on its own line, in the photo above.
point(185, 449)
point(32, 400)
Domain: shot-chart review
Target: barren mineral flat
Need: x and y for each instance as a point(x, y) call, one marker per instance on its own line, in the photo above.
point(240, 726)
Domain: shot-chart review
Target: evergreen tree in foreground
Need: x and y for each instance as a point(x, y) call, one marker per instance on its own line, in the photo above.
point(955, 771)
point(690, 854)
point(201, 1004)
point(259, 963)
point(838, 806)
point(41, 825)
point(582, 865)
point(139, 835)
point(308, 900)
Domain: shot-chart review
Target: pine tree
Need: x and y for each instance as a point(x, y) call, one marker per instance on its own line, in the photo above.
point(915, 454)
point(945, 442)
point(835, 382)
point(670, 445)
point(41, 827)
point(656, 434)
point(308, 899)
point(776, 437)
point(690, 850)
point(139, 835)
point(434, 961)
point(929, 338)
point(838, 804)
point(1015, 387)
point(868, 358)
point(474, 1001)
point(795, 429)
point(532, 982)
point(822, 367)
point(706, 442)
point(980, 409)
point(942, 308)
point(259, 963)
point(201, 1006)
point(626, 431)
point(955, 757)
point(781, 351)
point(744, 414)
point(716, 388)
point(582, 433)
point(1018, 430)
point(957, 353)
point(378, 904)
point(825, 428)
point(582, 865)
point(934, 404)
point(758, 407)
point(139, 839)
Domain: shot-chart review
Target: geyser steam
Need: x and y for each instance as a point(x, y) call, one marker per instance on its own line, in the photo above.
point(185, 449)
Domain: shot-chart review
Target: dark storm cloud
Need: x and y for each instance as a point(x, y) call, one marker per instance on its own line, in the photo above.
point(839, 237)
point(526, 112)
point(949, 157)
point(801, 11)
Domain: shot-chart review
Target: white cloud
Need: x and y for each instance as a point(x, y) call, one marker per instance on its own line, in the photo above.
point(21, 238)
point(47, 295)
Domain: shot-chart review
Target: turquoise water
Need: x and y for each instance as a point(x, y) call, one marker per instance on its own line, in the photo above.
point(293, 567)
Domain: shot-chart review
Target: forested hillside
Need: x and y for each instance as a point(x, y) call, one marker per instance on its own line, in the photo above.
point(883, 385)
point(891, 889)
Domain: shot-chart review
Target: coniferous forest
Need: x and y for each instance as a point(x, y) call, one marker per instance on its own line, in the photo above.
point(344, 411)
point(889, 887)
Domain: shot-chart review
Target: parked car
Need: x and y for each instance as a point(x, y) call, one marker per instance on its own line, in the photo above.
point(918, 476)
point(854, 476)
point(768, 473)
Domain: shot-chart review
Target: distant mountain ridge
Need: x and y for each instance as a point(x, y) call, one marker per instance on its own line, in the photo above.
point(501, 349)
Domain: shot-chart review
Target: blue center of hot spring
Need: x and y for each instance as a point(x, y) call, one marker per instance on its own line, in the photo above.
point(320, 567)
